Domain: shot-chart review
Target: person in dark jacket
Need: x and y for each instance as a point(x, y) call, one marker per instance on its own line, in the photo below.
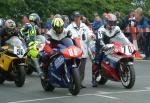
point(97, 23)
point(142, 37)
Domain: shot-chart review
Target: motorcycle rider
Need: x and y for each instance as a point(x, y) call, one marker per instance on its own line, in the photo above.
point(7, 31)
point(105, 33)
point(83, 33)
point(28, 33)
point(55, 35)
point(57, 32)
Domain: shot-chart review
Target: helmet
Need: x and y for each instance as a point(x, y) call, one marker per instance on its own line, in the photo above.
point(111, 20)
point(57, 16)
point(41, 42)
point(41, 39)
point(34, 18)
point(10, 24)
point(58, 25)
point(2, 22)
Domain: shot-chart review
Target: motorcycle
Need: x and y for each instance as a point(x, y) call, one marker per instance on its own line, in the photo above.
point(12, 62)
point(117, 63)
point(63, 68)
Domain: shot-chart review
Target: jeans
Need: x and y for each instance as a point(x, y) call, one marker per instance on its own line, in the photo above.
point(147, 45)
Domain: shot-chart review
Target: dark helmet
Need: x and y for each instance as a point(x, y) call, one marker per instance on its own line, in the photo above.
point(34, 18)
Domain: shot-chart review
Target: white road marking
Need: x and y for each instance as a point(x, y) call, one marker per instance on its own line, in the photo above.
point(61, 97)
point(99, 93)
point(41, 99)
point(120, 92)
point(110, 97)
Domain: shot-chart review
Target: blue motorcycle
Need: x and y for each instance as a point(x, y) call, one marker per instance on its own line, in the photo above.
point(62, 68)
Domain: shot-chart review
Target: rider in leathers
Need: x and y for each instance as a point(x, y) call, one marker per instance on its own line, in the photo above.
point(105, 33)
point(55, 35)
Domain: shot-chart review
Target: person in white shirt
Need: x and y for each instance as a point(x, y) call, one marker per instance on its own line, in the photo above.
point(84, 34)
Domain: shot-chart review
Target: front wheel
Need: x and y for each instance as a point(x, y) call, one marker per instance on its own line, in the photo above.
point(47, 86)
point(20, 76)
point(127, 76)
point(74, 85)
point(102, 81)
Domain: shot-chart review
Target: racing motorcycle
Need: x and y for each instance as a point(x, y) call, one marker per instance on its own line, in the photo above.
point(117, 63)
point(12, 62)
point(63, 68)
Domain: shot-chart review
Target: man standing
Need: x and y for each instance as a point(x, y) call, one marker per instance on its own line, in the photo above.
point(142, 24)
point(83, 33)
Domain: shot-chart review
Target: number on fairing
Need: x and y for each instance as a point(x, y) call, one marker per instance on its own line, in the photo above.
point(127, 49)
point(19, 51)
point(73, 51)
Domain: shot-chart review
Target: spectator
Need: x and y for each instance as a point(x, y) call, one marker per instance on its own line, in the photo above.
point(119, 19)
point(142, 23)
point(49, 22)
point(104, 17)
point(24, 19)
point(80, 31)
point(129, 21)
point(148, 39)
point(97, 23)
point(66, 20)
point(85, 20)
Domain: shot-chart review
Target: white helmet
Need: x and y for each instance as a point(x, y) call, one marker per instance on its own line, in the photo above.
point(41, 39)
point(112, 17)
point(10, 24)
point(111, 21)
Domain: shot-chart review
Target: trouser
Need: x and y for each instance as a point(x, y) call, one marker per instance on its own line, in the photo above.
point(82, 68)
point(147, 45)
point(37, 66)
point(141, 40)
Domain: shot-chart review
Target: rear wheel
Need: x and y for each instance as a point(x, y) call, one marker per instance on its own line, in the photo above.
point(2, 80)
point(47, 86)
point(127, 75)
point(20, 76)
point(29, 70)
point(74, 85)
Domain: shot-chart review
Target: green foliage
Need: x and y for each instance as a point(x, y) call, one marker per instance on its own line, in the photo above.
point(15, 8)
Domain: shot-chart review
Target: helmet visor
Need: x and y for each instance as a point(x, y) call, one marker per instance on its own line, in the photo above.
point(58, 30)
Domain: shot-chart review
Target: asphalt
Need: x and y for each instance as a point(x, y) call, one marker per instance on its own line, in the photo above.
point(112, 92)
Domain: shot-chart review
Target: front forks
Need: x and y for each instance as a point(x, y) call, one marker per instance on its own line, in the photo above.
point(68, 70)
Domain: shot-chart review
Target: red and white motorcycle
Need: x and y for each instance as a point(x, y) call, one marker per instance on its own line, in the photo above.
point(117, 63)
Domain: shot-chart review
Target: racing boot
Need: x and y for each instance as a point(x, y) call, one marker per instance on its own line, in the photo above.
point(94, 69)
point(38, 69)
point(94, 83)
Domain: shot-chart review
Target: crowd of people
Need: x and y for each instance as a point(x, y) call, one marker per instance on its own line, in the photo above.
point(78, 26)
point(135, 18)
